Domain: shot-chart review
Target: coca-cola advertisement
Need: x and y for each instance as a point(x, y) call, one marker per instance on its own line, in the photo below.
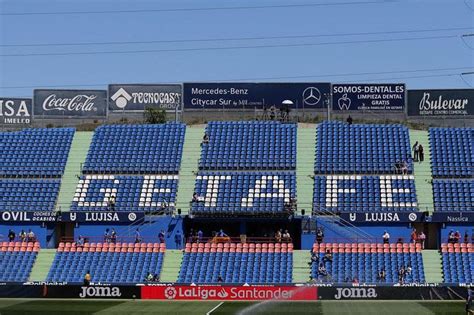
point(441, 103)
point(70, 103)
point(230, 293)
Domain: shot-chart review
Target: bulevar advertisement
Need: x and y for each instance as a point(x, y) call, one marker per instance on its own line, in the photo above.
point(230, 293)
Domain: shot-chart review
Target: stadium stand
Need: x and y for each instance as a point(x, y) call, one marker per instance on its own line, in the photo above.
point(133, 193)
point(136, 149)
point(361, 149)
point(237, 263)
point(35, 152)
point(360, 193)
point(107, 262)
point(453, 195)
point(244, 193)
point(28, 194)
point(458, 262)
point(249, 145)
point(16, 260)
point(364, 260)
point(452, 152)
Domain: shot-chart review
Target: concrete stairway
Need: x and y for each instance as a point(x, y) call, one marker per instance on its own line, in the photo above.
point(306, 141)
point(171, 265)
point(422, 170)
point(43, 263)
point(301, 269)
point(432, 264)
point(189, 165)
point(77, 156)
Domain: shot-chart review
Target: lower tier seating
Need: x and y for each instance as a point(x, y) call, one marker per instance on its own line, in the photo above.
point(237, 263)
point(458, 263)
point(107, 262)
point(363, 262)
point(16, 260)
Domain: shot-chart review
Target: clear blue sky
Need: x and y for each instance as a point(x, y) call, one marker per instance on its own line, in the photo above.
point(303, 58)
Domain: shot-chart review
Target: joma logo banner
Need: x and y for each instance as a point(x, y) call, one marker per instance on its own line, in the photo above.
point(355, 293)
point(100, 292)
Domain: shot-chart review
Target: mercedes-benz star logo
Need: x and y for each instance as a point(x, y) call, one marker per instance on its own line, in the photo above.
point(311, 96)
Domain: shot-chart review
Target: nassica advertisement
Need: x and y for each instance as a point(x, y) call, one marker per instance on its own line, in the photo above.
point(241, 96)
point(368, 97)
point(138, 97)
point(436, 103)
point(70, 103)
point(230, 293)
point(15, 111)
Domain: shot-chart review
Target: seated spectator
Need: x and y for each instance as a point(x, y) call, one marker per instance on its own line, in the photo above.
point(327, 256)
point(222, 234)
point(11, 235)
point(219, 279)
point(87, 278)
point(149, 277)
point(413, 236)
point(401, 275)
point(400, 240)
point(195, 197)
point(80, 241)
point(319, 236)
point(457, 237)
point(421, 239)
point(200, 235)
point(31, 236)
point(347, 280)
point(156, 278)
point(111, 203)
point(355, 280)
point(278, 236)
point(113, 236)
point(161, 236)
point(386, 237)
point(286, 236)
point(451, 238)
point(408, 270)
point(23, 236)
point(205, 139)
point(314, 258)
point(349, 120)
point(382, 275)
point(107, 236)
point(322, 272)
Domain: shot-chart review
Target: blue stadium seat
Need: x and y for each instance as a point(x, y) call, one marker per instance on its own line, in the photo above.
point(136, 149)
point(16, 260)
point(453, 195)
point(458, 263)
point(28, 194)
point(107, 263)
point(237, 263)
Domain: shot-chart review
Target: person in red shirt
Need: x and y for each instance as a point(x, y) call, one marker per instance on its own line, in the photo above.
point(413, 236)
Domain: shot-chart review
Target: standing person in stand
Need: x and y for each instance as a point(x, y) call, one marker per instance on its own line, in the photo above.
point(413, 236)
point(416, 151)
point(138, 238)
point(421, 154)
point(11, 235)
point(422, 238)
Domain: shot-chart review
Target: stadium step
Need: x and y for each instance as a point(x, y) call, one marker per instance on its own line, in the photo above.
point(432, 264)
point(422, 171)
point(77, 156)
point(301, 269)
point(306, 142)
point(189, 165)
point(171, 265)
point(43, 263)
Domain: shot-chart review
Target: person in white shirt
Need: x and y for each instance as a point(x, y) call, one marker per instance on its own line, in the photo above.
point(386, 237)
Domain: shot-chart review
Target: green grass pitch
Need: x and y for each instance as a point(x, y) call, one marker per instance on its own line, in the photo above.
point(53, 307)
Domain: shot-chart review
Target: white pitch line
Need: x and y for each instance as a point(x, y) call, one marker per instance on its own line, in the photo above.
point(215, 308)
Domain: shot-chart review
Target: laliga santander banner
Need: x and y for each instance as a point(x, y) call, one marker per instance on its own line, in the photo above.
point(230, 293)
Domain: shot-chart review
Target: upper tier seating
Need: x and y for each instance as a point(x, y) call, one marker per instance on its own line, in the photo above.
point(249, 145)
point(453, 195)
point(237, 263)
point(136, 149)
point(358, 193)
point(458, 263)
point(364, 261)
point(361, 149)
point(452, 152)
point(132, 193)
point(28, 194)
point(16, 260)
point(107, 262)
point(244, 193)
point(35, 152)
